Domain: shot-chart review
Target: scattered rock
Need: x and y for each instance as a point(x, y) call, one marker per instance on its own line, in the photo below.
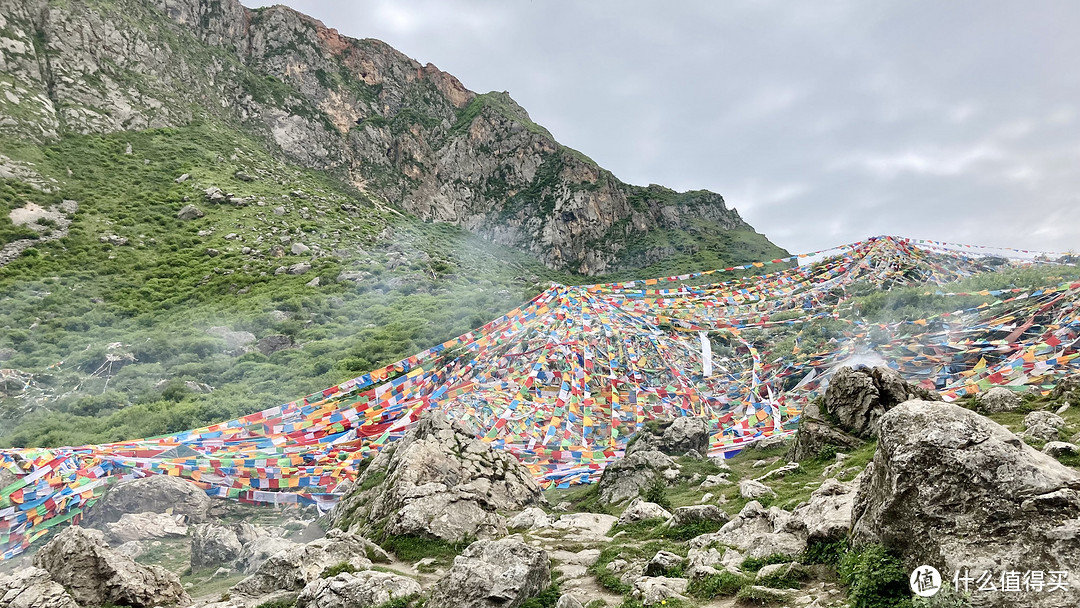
point(493, 574)
point(183, 178)
point(313, 282)
point(815, 433)
point(1019, 507)
point(279, 210)
point(213, 545)
point(640, 510)
point(652, 590)
point(1043, 425)
point(255, 553)
point(748, 488)
point(780, 471)
point(300, 268)
point(568, 601)
point(533, 518)
point(1060, 448)
point(999, 399)
point(33, 588)
point(154, 494)
point(662, 563)
point(827, 516)
point(94, 574)
point(360, 589)
point(694, 514)
point(759, 532)
point(244, 177)
point(299, 249)
point(272, 344)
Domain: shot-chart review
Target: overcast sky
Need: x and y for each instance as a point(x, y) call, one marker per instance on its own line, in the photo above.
point(821, 122)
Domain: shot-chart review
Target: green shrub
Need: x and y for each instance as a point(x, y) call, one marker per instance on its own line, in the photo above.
point(761, 596)
point(722, 584)
point(824, 552)
point(753, 564)
point(547, 598)
point(657, 493)
point(875, 579)
point(337, 569)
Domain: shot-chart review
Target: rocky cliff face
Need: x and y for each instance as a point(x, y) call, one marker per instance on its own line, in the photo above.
point(407, 133)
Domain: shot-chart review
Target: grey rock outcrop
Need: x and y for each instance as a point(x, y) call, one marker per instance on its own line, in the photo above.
point(674, 437)
point(627, 477)
point(144, 526)
point(295, 567)
point(493, 574)
point(815, 433)
point(94, 574)
point(439, 481)
point(532, 518)
point(858, 398)
point(154, 494)
point(33, 588)
point(255, 553)
point(952, 488)
point(357, 590)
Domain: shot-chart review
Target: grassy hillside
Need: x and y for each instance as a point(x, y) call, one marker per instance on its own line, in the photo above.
point(106, 329)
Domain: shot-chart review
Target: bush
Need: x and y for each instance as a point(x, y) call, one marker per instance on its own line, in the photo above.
point(753, 564)
point(337, 569)
point(823, 552)
point(721, 584)
point(875, 579)
point(657, 493)
point(547, 598)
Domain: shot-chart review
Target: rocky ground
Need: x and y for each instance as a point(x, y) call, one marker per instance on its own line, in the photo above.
point(880, 480)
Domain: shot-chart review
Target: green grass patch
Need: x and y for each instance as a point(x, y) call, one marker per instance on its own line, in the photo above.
point(414, 548)
point(722, 584)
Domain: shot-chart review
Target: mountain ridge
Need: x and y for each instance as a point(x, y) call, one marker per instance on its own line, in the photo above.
point(405, 132)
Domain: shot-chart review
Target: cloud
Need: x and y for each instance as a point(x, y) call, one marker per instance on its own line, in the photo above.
point(822, 123)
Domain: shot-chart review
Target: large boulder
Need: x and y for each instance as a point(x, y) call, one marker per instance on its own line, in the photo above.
point(357, 590)
point(493, 574)
point(154, 494)
point(295, 567)
point(673, 436)
point(827, 516)
point(698, 514)
point(144, 526)
point(214, 544)
point(640, 510)
point(955, 490)
point(255, 553)
point(759, 532)
point(628, 477)
point(95, 575)
point(858, 398)
point(999, 399)
point(33, 588)
point(438, 481)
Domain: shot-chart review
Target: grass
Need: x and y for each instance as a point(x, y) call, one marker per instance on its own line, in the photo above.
point(414, 548)
point(722, 584)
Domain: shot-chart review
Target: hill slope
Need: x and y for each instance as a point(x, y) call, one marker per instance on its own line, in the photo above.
point(409, 134)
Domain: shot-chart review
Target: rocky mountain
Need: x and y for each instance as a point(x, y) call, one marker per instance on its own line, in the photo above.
point(409, 134)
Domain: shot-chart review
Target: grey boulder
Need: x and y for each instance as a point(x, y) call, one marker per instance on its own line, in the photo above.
point(493, 574)
point(363, 589)
point(958, 491)
point(95, 575)
point(154, 494)
point(629, 476)
point(33, 588)
point(295, 567)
